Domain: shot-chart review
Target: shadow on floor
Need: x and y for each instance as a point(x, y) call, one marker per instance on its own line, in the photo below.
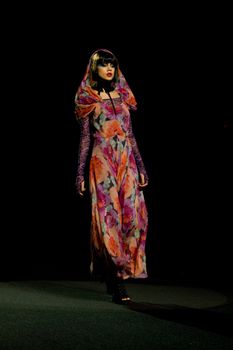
point(205, 319)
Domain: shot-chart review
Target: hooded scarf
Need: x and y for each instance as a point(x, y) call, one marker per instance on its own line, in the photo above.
point(86, 97)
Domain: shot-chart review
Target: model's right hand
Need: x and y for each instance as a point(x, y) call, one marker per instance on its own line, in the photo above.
point(82, 189)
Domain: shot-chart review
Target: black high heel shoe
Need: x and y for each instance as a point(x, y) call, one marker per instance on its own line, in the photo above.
point(120, 295)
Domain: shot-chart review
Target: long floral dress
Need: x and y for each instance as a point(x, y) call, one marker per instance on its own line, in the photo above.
point(119, 213)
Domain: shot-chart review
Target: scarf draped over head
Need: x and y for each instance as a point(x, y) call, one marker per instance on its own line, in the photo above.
point(87, 98)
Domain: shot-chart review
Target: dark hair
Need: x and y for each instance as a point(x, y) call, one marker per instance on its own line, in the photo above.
point(102, 57)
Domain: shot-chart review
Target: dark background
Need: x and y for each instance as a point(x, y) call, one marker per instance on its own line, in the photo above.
point(186, 150)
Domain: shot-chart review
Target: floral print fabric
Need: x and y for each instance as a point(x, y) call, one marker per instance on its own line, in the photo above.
point(119, 214)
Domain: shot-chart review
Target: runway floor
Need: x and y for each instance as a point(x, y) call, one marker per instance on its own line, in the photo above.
point(77, 315)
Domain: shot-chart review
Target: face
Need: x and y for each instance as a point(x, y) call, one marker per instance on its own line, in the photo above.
point(106, 71)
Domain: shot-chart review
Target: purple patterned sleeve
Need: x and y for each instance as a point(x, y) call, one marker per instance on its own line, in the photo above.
point(84, 145)
point(136, 152)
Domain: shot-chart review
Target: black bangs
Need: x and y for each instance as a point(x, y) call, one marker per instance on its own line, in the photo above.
point(106, 57)
point(103, 61)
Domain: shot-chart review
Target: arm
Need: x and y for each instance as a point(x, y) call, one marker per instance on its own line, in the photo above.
point(137, 156)
point(84, 146)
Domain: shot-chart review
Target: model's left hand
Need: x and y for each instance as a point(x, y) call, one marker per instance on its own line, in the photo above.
point(142, 182)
